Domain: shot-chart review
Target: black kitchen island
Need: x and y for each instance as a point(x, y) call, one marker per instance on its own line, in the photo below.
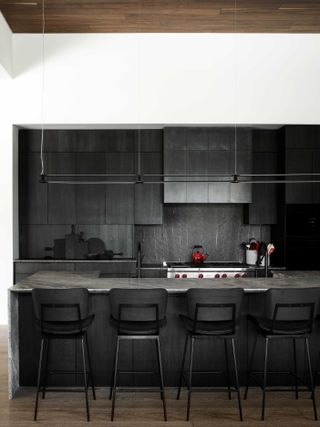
point(24, 338)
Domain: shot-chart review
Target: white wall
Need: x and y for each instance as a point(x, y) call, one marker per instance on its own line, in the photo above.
point(169, 78)
point(5, 45)
point(152, 78)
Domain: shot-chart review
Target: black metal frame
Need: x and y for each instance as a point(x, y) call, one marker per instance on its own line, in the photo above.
point(46, 338)
point(194, 335)
point(274, 335)
point(154, 335)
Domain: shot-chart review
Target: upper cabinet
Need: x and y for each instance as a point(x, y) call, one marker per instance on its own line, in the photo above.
point(302, 155)
point(266, 159)
point(201, 152)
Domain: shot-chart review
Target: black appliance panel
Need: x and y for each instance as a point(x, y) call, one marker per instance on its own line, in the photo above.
point(303, 220)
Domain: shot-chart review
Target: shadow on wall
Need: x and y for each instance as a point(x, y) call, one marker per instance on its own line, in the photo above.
point(219, 228)
point(27, 50)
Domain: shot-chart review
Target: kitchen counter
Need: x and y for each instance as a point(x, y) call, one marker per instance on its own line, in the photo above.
point(24, 339)
point(92, 281)
point(42, 260)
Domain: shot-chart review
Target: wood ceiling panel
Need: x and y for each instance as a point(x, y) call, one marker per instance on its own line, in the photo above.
point(125, 16)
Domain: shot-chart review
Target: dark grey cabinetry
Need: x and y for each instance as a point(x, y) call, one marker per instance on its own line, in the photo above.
point(148, 198)
point(266, 159)
point(90, 199)
point(302, 155)
point(119, 198)
point(33, 197)
point(205, 151)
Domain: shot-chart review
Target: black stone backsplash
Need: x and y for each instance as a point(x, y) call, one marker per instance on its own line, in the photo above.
point(219, 228)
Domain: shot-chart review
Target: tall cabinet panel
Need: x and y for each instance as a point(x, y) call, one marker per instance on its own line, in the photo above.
point(302, 156)
point(266, 159)
point(120, 198)
point(148, 207)
point(33, 196)
point(90, 199)
point(61, 198)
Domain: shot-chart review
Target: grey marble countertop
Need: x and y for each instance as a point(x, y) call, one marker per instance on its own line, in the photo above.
point(91, 281)
point(57, 261)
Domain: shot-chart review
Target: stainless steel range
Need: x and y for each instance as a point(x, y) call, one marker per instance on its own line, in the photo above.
point(209, 270)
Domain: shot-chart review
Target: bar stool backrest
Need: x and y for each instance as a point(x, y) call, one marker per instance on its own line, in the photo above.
point(138, 305)
point(287, 304)
point(214, 305)
point(60, 305)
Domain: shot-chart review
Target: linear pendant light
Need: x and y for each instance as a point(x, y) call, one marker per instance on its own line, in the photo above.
point(162, 179)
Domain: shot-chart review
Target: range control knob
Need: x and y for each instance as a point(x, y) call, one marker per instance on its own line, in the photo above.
point(244, 275)
point(177, 276)
point(217, 276)
point(224, 276)
point(184, 276)
point(237, 276)
point(200, 276)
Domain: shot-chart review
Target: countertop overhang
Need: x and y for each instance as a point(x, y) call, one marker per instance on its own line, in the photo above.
point(95, 284)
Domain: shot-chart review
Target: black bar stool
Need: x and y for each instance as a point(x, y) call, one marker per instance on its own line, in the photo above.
point(62, 314)
point(137, 314)
point(288, 314)
point(212, 313)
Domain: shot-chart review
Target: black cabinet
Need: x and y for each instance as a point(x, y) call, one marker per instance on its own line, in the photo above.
point(148, 206)
point(266, 159)
point(205, 151)
point(120, 198)
point(33, 196)
point(90, 199)
point(302, 155)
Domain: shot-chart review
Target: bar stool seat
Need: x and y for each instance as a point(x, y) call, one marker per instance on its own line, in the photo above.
point(62, 314)
point(212, 313)
point(64, 328)
point(136, 327)
point(288, 314)
point(279, 327)
point(215, 328)
point(137, 314)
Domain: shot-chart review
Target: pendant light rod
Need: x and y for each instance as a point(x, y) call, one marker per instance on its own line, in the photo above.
point(42, 92)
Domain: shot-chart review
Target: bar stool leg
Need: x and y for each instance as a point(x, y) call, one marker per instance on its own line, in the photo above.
point(250, 366)
point(161, 378)
point(46, 352)
point(39, 379)
point(311, 379)
point(190, 377)
point(227, 366)
point(295, 366)
point(90, 367)
point(237, 377)
point(115, 375)
point(113, 372)
point(182, 365)
point(85, 378)
point(264, 377)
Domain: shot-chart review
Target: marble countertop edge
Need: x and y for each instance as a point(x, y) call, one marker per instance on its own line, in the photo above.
point(95, 284)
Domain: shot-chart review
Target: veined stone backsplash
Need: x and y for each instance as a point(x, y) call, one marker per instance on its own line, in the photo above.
point(219, 228)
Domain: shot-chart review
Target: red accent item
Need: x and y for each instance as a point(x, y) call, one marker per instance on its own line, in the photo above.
point(217, 276)
point(237, 276)
point(199, 255)
point(184, 276)
point(224, 276)
point(200, 276)
point(177, 276)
